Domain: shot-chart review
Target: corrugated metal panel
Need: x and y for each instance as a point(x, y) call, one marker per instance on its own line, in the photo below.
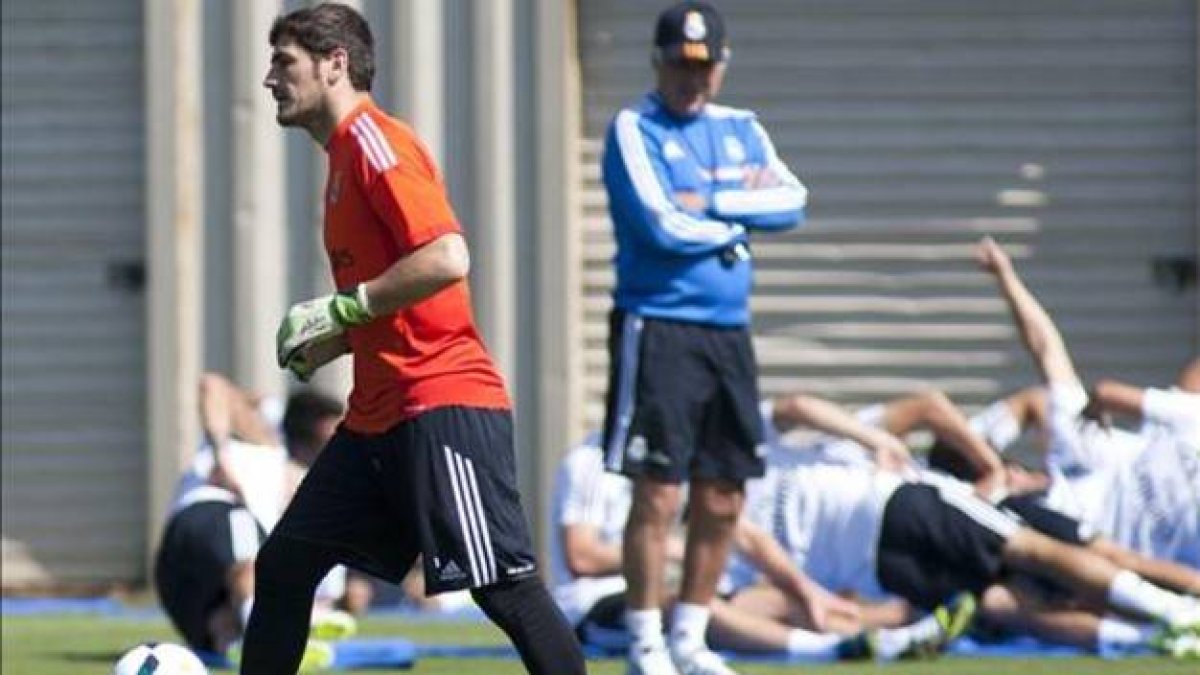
point(1065, 128)
point(73, 333)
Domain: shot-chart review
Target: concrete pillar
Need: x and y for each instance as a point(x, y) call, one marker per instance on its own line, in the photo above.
point(256, 166)
point(493, 250)
point(418, 71)
point(174, 217)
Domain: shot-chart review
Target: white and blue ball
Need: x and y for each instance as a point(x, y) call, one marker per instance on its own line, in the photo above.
point(161, 658)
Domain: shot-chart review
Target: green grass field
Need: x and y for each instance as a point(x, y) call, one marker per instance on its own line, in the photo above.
point(86, 645)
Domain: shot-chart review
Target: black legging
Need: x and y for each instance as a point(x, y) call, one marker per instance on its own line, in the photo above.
point(288, 571)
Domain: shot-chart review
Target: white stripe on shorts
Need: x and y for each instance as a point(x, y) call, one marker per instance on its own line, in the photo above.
point(627, 376)
point(471, 518)
point(980, 511)
point(243, 534)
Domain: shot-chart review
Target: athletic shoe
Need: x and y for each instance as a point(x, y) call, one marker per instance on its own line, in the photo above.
point(701, 661)
point(1186, 620)
point(318, 655)
point(650, 661)
point(861, 647)
point(953, 619)
point(332, 624)
point(1183, 646)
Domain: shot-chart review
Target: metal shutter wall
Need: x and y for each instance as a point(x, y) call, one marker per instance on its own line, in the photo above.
point(1065, 128)
point(73, 335)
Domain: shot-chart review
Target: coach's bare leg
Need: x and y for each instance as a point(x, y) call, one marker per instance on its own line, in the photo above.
point(713, 510)
point(645, 545)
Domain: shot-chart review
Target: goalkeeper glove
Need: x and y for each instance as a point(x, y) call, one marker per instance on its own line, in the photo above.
point(318, 320)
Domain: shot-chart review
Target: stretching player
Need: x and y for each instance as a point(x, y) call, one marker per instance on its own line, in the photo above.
point(1142, 490)
point(589, 511)
point(226, 502)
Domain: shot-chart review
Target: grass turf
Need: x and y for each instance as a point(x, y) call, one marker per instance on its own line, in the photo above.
point(83, 645)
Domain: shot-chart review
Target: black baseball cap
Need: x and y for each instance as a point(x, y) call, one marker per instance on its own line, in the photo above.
point(690, 31)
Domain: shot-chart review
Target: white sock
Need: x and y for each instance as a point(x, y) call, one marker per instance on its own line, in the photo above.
point(893, 641)
point(688, 624)
point(645, 629)
point(821, 646)
point(1115, 632)
point(244, 611)
point(1132, 593)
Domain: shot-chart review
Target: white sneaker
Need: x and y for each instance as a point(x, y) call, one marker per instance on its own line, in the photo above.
point(701, 661)
point(650, 661)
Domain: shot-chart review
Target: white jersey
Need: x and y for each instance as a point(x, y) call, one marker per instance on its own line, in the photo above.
point(261, 469)
point(826, 516)
point(586, 494)
point(1142, 490)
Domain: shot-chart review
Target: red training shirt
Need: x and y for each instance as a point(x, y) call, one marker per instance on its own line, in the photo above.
point(384, 199)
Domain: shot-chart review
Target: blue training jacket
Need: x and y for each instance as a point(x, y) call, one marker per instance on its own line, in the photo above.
point(681, 264)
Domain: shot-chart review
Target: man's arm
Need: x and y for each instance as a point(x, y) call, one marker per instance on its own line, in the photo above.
point(773, 561)
point(227, 412)
point(419, 275)
point(586, 553)
point(829, 417)
point(646, 204)
point(771, 197)
point(1038, 332)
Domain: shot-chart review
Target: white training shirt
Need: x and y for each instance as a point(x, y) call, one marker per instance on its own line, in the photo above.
point(1140, 490)
point(261, 469)
point(586, 494)
point(823, 502)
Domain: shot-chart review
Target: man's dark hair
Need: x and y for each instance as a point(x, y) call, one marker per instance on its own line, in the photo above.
point(946, 459)
point(320, 30)
point(304, 410)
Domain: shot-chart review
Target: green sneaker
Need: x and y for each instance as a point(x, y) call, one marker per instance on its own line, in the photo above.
point(318, 655)
point(333, 624)
point(1182, 646)
point(953, 619)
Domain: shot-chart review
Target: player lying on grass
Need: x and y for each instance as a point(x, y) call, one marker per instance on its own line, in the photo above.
point(590, 507)
point(924, 542)
point(233, 493)
point(1142, 490)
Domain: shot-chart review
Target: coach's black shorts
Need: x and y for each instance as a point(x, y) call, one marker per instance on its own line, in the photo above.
point(934, 544)
point(682, 401)
point(1030, 509)
point(202, 542)
point(442, 484)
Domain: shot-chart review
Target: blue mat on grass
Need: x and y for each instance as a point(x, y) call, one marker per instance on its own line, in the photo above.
point(357, 654)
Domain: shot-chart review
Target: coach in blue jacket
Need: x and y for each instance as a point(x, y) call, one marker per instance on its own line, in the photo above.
point(687, 182)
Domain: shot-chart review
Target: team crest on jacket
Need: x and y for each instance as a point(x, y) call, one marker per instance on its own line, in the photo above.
point(693, 26)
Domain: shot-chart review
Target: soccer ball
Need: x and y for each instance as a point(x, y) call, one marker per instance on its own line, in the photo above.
point(159, 659)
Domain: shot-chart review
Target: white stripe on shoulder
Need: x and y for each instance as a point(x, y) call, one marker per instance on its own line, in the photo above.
point(373, 143)
point(727, 112)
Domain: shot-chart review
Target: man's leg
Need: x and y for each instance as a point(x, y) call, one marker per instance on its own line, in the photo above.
point(644, 555)
point(525, 611)
point(1095, 578)
point(286, 575)
point(713, 511)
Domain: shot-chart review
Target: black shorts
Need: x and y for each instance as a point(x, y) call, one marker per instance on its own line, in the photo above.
point(442, 484)
point(604, 624)
point(202, 542)
point(1034, 513)
point(682, 401)
point(936, 543)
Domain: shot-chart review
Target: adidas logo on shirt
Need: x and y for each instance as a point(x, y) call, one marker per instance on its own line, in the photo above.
point(451, 572)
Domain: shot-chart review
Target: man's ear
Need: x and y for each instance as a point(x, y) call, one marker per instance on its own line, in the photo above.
point(339, 65)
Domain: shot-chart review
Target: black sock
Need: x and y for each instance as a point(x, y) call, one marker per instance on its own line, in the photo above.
point(525, 611)
point(286, 574)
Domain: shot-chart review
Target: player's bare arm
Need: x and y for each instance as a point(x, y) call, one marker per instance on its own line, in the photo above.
point(587, 554)
point(806, 410)
point(419, 275)
point(1038, 332)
